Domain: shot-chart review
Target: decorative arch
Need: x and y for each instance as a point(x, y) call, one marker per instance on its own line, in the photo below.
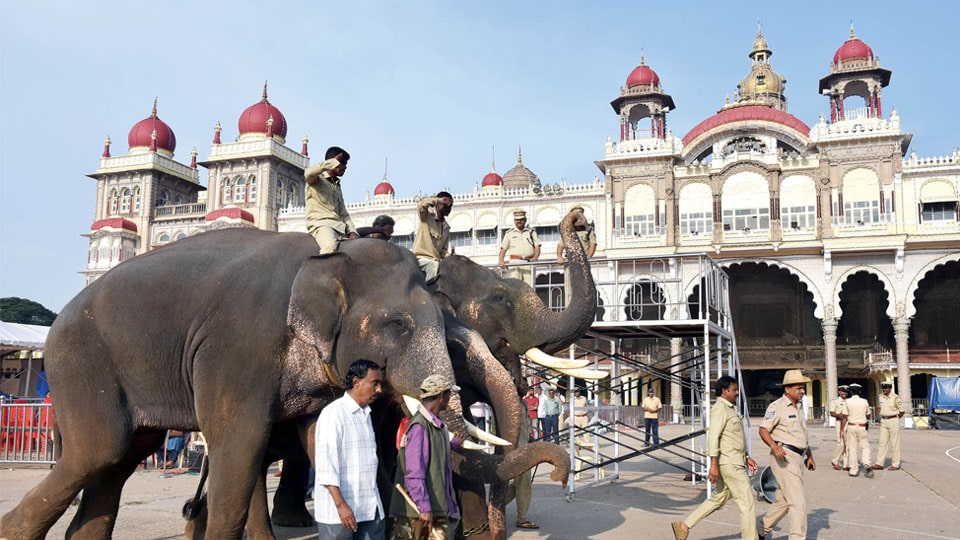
point(909, 308)
point(818, 298)
point(938, 190)
point(696, 208)
point(636, 298)
point(887, 286)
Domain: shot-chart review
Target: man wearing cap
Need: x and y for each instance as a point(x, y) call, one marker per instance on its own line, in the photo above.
point(588, 239)
point(855, 433)
point(651, 417)
point(520, 244)
point(838, 410)
point(784, 430)
point(891, 410)
point(729, 462)
point(328, 220)
point(423, 469)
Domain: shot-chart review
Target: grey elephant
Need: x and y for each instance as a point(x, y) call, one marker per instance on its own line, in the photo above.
point(228, 332)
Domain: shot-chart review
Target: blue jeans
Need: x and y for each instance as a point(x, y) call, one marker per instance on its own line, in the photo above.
point(652, 427)
point(551, 428)
point(366, 530)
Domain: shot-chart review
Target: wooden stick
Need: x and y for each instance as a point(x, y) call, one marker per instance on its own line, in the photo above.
point(406, 496)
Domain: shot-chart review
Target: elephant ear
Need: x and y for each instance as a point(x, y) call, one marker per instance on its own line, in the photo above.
point(318, 301)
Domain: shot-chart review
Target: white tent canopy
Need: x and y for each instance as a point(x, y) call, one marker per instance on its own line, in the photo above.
point(21, 337)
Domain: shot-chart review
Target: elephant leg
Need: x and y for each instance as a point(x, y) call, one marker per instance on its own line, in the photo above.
point(473, 508)
point(237, 451)
point(289, 502)
point(97, 514)
point(497, 510)
point(258, 520)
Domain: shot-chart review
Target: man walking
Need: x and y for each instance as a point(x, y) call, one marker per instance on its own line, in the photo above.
point(327, 218)
point(432, 238)
point(891, 410)
point(520, 244)
point(651, 417)
point(423, 470)
point(346, 461)
point(838, 410)
point(858, 413)
point(727, 448)
point(784, 430)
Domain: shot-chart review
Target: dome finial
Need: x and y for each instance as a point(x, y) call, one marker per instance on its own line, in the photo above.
point(106, 147)
point(264, 100)
point(153, 113)
point(519, 156)
point(303, 151)
point(759, 27)
point(852, 35)
point(493, 159)
point(642, 60)
point(216, 133)
point(386, 160)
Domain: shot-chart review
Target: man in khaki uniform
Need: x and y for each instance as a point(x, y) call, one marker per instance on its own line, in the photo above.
point(727, 448)
point(891, 409)
point(838, 410)
point(651, 417)
point(858, 413)
point(327, 218)
point(520, 244)
point(432, 239)
point(784, 430)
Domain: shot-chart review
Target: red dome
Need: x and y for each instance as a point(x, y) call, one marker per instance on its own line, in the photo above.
point(643, 75)
point(751, 113)
point(230, 213)
point(492, 179)
point(141, 134)
point(114, 223)
point(254, 119)
point(383, 188)
point(853, 49)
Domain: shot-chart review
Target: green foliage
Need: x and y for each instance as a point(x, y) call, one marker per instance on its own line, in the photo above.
point(23, 311)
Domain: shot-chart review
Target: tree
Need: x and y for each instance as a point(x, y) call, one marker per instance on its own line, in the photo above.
point(21, 310)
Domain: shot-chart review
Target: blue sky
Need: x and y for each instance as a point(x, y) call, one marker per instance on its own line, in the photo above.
point(433, 85)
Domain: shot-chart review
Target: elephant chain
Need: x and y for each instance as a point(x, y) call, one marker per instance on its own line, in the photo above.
point(482, 527)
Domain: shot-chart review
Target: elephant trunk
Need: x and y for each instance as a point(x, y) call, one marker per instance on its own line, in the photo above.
point(559, 330)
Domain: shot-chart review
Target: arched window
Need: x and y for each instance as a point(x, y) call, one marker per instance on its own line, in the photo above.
point(746, 203)
point(136, 199)
point(181, 236)
point(281, 194)
point(252, 189)
point(163, 198)
point(164, 238)
point(113, 203)
point(639, 212)
point(861, 198)
point(226, 191)
point(798, 204)
point(125, 201)
point(240, 191)
point(178, 199)
point(696, 209)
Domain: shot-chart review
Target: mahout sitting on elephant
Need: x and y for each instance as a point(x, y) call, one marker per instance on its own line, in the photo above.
point(227, 332)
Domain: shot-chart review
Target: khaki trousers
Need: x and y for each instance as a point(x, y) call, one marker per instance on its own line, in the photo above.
point(789, 496)
point(857, 440)
point(889, 436)
point(327, 238)
point(523, 273)
point(733, 483)
point(840, 454)
point(521, 489)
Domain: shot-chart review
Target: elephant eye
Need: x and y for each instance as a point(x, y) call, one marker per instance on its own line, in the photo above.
point(399, 323)
point(499, 298)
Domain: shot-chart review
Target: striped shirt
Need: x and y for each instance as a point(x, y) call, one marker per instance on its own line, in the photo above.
point(346, 458)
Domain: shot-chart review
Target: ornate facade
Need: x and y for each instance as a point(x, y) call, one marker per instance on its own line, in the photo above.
point(842, 246)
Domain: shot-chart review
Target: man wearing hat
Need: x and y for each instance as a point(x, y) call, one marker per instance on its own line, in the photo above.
point(784, 430)
point(855, 433)
point(520, 244)
point(891, 410)
point(423, 469)
point(651, 417)
point(838, 410)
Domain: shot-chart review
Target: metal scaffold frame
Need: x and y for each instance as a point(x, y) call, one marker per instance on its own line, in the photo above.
point(682, 301)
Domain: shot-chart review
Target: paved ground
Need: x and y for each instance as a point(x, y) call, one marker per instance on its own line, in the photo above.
point(922, 501)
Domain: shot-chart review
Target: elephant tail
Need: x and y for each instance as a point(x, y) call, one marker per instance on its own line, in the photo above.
point(193, 507)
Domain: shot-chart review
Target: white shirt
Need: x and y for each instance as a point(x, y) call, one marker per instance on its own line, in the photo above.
point(347, 458)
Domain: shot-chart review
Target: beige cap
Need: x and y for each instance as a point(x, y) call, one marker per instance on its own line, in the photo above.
point(519, 214)
point(435, 385)
point(793, 376)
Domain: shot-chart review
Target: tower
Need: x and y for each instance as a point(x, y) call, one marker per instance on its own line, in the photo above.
point(762, 86)
point(854, 71)
point(642, 98)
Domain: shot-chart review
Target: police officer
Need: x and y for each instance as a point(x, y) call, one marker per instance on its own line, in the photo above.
point(520, 244)
point(784, 430)
point(838, 410)
point(891, 409)
point(858, 412)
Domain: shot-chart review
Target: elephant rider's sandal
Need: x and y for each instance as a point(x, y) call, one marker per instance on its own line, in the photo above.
point(527, 525)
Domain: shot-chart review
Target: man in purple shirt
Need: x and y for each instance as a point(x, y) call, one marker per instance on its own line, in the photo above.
point(423, 470)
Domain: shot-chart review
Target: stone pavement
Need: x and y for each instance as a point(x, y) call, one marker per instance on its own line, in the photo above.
point(922, 501)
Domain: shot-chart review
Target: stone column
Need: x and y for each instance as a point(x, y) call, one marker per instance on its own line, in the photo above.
point(676, 391)
point(830, 356)
point(901, 333)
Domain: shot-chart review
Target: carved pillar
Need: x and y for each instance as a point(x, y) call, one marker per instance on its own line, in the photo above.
point(676, 392)
point(830, 354)
point(901, 333)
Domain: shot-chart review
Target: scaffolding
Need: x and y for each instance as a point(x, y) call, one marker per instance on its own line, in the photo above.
point(661, 321)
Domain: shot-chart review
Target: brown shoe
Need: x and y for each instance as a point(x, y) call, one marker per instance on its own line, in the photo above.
point(678, 531)
point(893, 468)
point(877, 467)
point(836, 467)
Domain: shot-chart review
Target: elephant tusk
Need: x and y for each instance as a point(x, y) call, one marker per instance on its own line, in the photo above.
point(584, 373)
point(482, 435)
point(470, 445)
point(554, 362)
point(413, 404)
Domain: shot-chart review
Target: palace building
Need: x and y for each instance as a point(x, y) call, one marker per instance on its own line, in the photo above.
point(841, 245)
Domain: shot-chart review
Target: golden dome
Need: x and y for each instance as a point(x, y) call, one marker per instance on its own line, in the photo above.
point(760, 46)
point(762, 79)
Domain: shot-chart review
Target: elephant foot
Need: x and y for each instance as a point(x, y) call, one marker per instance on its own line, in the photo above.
point(292, 516)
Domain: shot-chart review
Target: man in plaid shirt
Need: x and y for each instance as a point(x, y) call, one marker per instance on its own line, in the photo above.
point(346, 461)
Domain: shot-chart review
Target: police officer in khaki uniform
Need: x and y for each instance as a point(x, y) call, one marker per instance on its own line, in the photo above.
point(858, 412)
point(784, 430)
point(519, 245)
point(891, 409)
point(838, 410)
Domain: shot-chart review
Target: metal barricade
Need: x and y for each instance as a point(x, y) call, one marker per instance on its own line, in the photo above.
point(26, 431)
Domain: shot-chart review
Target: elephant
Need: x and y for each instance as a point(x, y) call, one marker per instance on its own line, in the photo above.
point(228, 332)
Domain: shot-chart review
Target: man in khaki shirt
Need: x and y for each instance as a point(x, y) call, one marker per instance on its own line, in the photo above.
point(838, 410)
point(891, 410)
point(727, 448)
point(588, 239)
point(520, 244)
point(858, 413)
point(651, 417)
point(327, 218)
point(432, 238)
point(784, 430)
